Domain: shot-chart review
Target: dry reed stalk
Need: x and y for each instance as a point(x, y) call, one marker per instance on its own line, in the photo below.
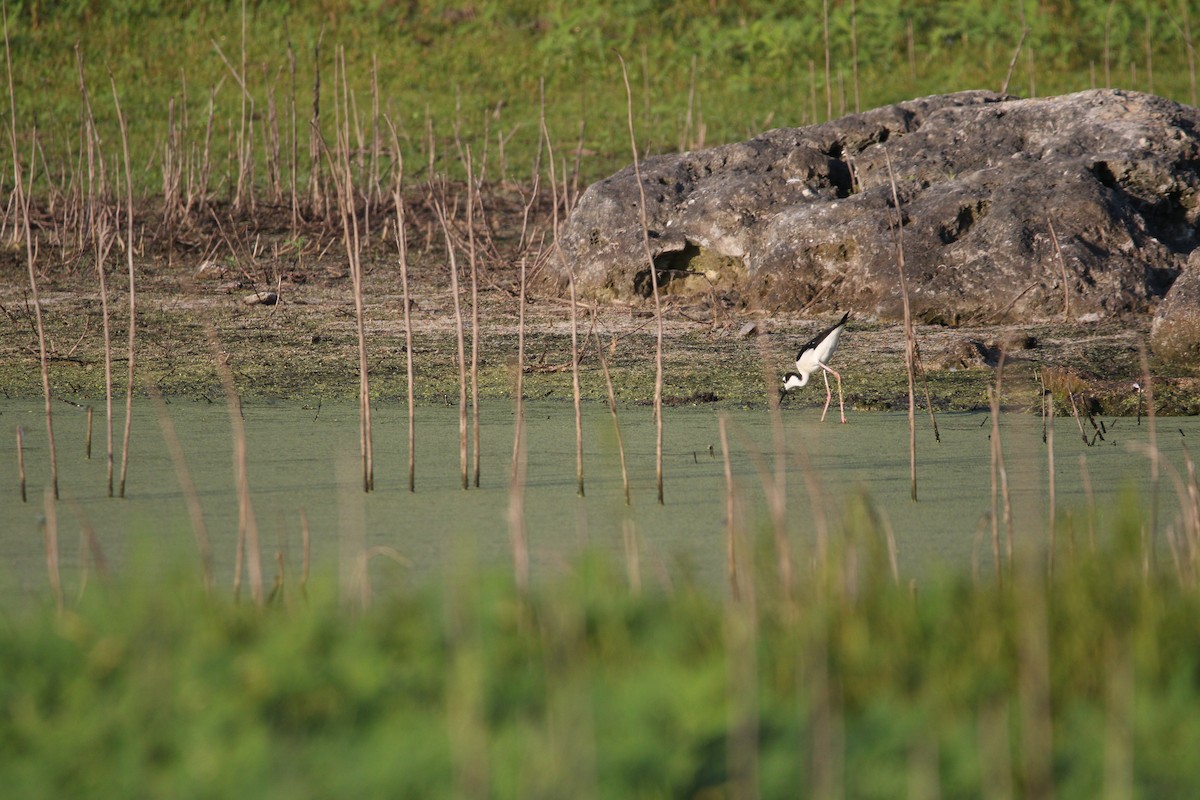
point(1034, 700)
point(472, 197)
point(1085, 478)
point(658, 349)
point(458, 328)
point(350, 235)
point(995, 751)
point(247, 540)
point(1120, 711)
point(21, 461)
point(827, 742)
point(1062, 266)
point(742, 740)
point(731, 560)
point(854, 53)
point(305, 540)
point(828, 60)
point(22, 201)
point(18, 196)
point(1150, 535)
point(293, 139)
point(50, 535)
point(570, 270)
point(633, 558)
point(999, 470)
point(612, 407)
point(1016, 54)
point(132, 285)
point(910, 341)
point(402, 247)
point(271, 145)
point(190, 496)
point(776, 487)
point(516, 490)
point(1191, 50)
point(1050, 475)
point(90, 550)
point(316, 191)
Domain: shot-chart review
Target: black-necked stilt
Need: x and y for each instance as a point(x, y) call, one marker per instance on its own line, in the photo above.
point(813, 356)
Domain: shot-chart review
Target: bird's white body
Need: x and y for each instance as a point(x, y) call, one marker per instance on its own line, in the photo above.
point(815, 356)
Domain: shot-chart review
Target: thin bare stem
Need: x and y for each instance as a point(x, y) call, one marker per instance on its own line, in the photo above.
point(473, 262)
point(575, 394)
point(658, 350)
point(132, 286)
point(458, 327)
point(910, 342)
point(516, 491)
point(402, 247)
point(1151, 533)
point(23, 200)
point(21, 461)
point(612, 406)
point(183, 474)
point(731, 560)
point(50, 535)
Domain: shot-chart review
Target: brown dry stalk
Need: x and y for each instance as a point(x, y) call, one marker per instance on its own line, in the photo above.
point(999, 473)
point(516, 490)
point(353, 251)
point(1050, 474)
point(21, 461)
point(22, 201)
point(575, 394)
point(402, 247)
point(190, 496)
point(458, 328)
point(50, 535)
point(612, 406)
point(1062, 266)
point(1150, 534)
point(658, 349)
point(776, 488)
point(731, 561)
point(305, 538)
point(132, 285)
point(910, 341)
point(18, 184)
point(473, 262)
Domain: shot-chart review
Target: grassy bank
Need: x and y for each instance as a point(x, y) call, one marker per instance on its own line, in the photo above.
point(1080, 684)
point(447, 73)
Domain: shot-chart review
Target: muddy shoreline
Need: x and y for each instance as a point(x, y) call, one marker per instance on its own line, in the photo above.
point(303, 347)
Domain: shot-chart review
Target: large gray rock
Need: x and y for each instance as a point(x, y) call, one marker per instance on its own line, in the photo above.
point(1175, 332)
point(798, 215)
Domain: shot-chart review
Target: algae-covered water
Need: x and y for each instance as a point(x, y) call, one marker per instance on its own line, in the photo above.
point(306, 457)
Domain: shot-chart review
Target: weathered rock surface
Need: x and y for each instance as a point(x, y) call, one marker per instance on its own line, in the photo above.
point(804, 218)
point(1175, 332)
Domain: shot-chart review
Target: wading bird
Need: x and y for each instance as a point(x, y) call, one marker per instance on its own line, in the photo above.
point(813, 356)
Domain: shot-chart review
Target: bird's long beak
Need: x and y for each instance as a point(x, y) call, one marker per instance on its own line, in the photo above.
point(782, 392)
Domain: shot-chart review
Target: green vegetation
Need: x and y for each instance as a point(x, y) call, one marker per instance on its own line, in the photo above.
point(849, 683)
point(1085, 683)
point(702, 72)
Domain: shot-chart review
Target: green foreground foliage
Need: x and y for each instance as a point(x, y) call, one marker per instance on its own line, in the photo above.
point(1086, 682)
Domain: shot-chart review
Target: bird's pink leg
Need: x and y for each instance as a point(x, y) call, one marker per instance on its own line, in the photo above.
point(841, 400)
point(828, 394)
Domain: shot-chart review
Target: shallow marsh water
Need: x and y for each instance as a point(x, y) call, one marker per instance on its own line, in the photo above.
point(307, 457)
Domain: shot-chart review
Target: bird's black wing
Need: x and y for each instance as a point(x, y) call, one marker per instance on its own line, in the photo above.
point(820, 337)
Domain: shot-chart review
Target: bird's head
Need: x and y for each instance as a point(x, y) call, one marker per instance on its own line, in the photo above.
point(793, 380)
